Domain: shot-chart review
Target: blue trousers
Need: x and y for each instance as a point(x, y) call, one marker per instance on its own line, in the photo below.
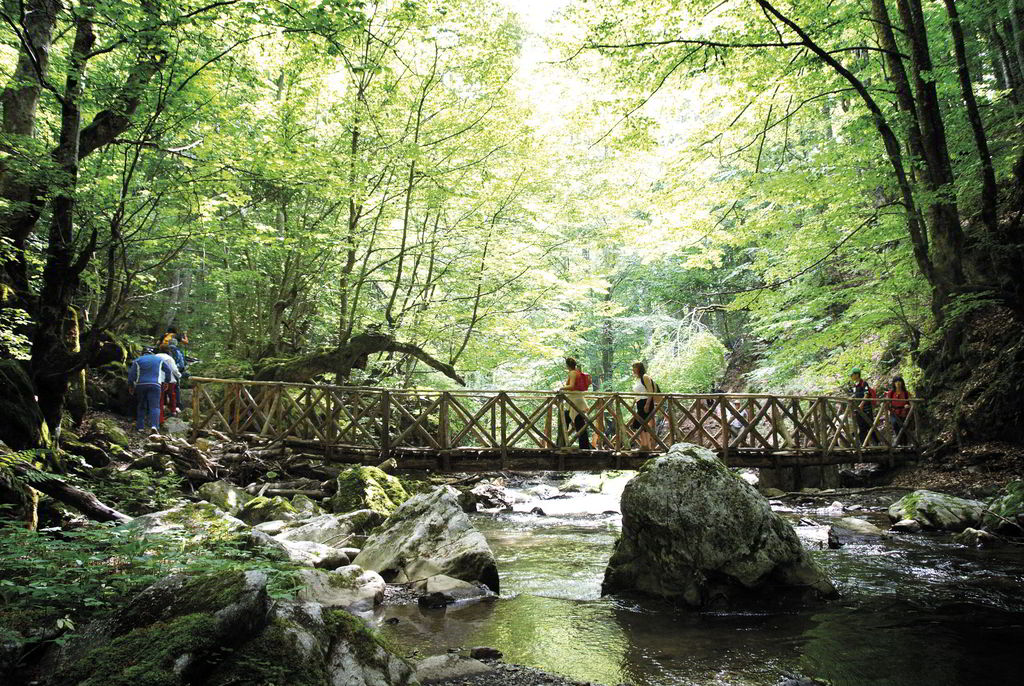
point(147, 408)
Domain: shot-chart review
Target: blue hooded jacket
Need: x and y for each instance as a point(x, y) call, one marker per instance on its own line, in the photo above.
point(146, 370)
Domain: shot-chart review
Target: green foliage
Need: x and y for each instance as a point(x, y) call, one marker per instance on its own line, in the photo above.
point(690, 362)
point(28, 474)
point(51, 576)
point(132, 491)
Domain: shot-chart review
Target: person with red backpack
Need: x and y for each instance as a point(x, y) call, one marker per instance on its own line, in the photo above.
point(864, 411)
point(899, 406)
point(576, 385)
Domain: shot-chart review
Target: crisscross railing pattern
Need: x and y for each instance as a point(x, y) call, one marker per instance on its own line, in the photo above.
point(742, 428)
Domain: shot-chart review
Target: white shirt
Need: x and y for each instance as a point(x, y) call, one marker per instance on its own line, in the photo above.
point(177, 372)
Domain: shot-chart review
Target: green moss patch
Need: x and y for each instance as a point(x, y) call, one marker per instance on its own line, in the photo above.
point(368, 488)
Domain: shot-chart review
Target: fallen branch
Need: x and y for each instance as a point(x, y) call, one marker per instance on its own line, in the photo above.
point(833, 494)
point(83, 501)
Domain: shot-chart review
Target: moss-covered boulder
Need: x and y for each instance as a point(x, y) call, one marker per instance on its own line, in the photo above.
point(195, 517)
point(429, 535)
point(1005, 512)
point(305, 644)
point(368, 488)
point(225, 495)
point(306, 507)
point(263, 509)
point(109, 431)
point(937, 511)
point(695, 533)
point(221, 629)
point(171, 633)
point(22, 426)
point(333, 530)
point(350, 587)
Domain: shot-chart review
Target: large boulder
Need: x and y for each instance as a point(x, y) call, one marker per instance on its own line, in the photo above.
point(368, 488)
point(350, 587)
point(195, 517)
point(937, 511)
point(1005, 513)
point(429, 535)
point(222, 629)
point(170, 633)
point(263, 509)
point(225, 495)
point(334, 530)
point(694, 532)
point(306, 644)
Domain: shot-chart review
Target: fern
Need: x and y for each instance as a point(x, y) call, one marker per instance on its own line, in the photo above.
point(29, 474)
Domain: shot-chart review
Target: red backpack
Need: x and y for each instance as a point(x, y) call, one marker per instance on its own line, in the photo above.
point(869, 392)
point(582, 381)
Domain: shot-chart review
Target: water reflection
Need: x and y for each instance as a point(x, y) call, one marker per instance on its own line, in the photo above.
point(914, 610)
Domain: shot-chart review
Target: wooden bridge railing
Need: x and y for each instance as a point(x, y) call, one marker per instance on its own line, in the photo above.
point(383, 421)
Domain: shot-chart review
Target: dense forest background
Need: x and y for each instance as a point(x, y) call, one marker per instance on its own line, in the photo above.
point(745, 195)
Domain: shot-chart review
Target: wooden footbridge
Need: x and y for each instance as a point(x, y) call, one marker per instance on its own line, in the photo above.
point(466, 431)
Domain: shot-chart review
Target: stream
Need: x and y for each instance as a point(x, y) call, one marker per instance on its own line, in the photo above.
point(914, 609)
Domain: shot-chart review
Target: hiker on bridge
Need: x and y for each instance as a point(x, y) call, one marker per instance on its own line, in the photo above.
point(644, 420)
point(864, 410)
point(145, 380)
point(576, 384)
point(899, 406)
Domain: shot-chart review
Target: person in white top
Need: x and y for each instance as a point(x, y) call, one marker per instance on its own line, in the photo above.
point(169, 386)
point(644, 423)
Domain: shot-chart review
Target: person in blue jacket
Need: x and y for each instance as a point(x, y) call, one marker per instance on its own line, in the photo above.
point(144, 378)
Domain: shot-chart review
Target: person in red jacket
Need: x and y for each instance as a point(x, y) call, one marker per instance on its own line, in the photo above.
point(899, 406)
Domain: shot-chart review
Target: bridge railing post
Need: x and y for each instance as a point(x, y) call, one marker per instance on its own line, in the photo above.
point(724, 420)
point(385, 420)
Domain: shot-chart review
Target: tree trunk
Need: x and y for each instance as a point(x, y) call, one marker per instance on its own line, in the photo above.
point(20, 101)
point(52, 362)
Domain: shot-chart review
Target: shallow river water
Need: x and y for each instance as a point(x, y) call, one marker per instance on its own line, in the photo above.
point(914, 610)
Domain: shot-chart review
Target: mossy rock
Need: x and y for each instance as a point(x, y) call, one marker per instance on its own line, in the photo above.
point(368, 488)
point(169, 634)
point(937, 511)
point(263, 509)
point(110, 431)
point(23, 426)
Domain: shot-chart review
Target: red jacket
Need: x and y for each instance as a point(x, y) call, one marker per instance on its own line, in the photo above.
point(899, 405)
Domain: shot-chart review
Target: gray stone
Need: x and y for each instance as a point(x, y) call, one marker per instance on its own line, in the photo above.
point(273, 527)
point(225, 495)
point(543, 492)
point(333, 530)
point(350, 587)
point(937, 511)
point(772, 493)
point(313, 554)
point(306, 507)
point(978, 538)
point(907, 526)
point(582, 482)
point(858, 526)
point(454, 588)
point(196, 517)
point(817, 537)
point(449, 666)
point(263, 509)
point(490, 497)
point(692, 531)
point(429, 535)
point(175, 426)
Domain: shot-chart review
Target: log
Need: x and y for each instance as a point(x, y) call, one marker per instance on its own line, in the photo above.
point(83, 501)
